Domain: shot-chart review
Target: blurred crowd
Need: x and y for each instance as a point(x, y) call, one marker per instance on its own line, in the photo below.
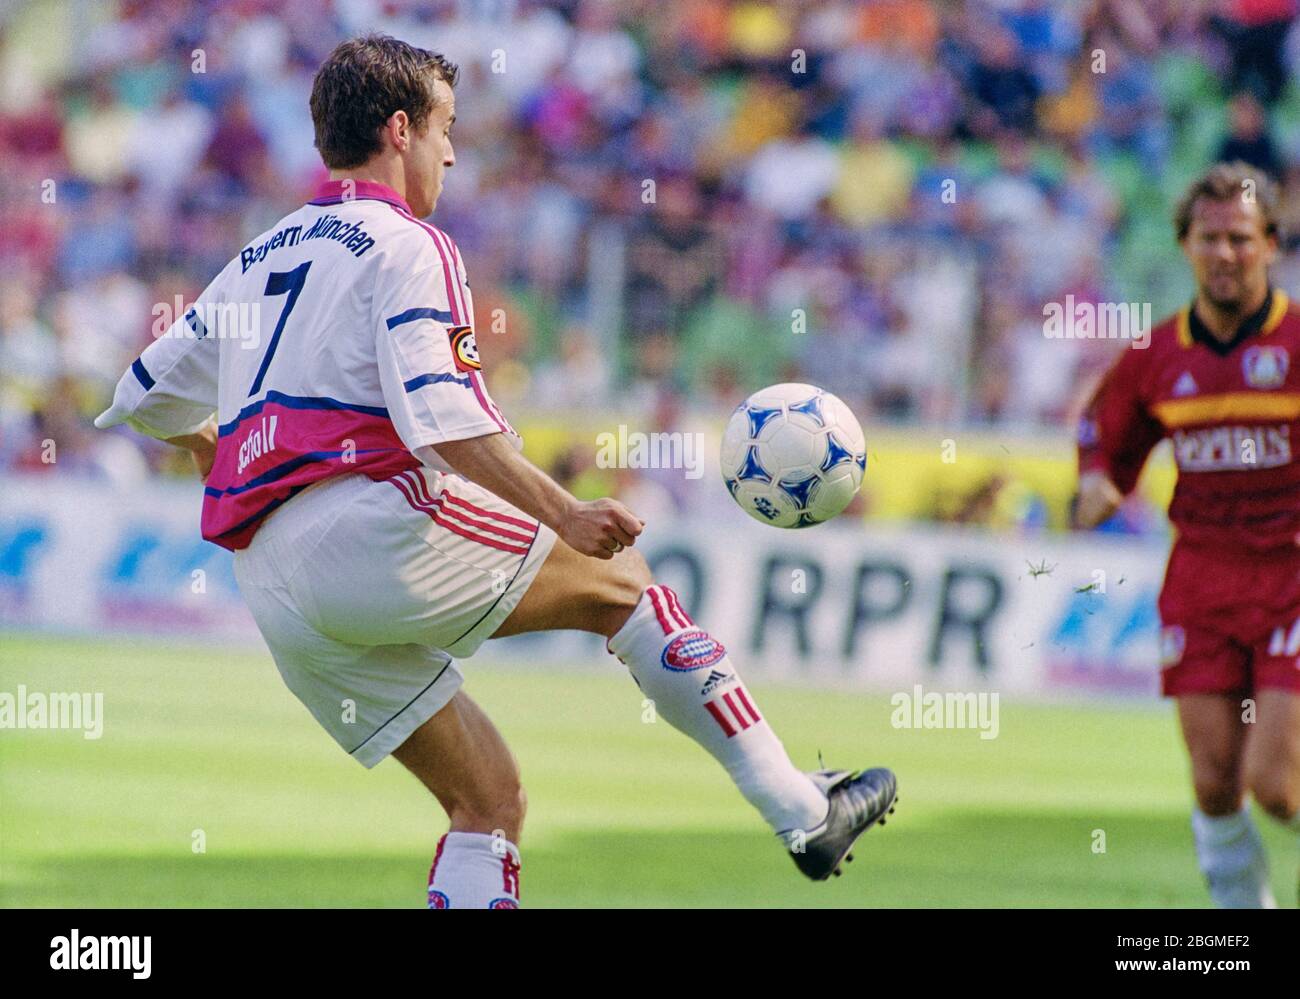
point(685, 200)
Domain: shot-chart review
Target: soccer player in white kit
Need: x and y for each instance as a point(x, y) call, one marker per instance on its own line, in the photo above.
point(383, 520)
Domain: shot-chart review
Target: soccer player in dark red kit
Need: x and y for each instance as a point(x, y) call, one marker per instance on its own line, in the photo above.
point(1217, 379)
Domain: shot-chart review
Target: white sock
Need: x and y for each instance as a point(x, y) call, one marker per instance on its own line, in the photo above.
point(1232, 858)
point(474, 871)
point(694, 687)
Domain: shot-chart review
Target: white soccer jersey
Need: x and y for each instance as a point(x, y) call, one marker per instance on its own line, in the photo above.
point(338, 341)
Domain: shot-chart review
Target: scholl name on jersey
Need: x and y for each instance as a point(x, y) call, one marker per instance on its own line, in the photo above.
point(350, 234)
point(260, 441)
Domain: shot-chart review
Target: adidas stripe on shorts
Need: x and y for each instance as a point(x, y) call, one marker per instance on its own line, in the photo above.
point(366, 590)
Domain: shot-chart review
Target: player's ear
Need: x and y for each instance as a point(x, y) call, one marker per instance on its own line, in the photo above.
point(398, 128)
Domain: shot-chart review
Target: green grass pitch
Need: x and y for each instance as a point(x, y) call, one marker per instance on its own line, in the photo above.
point(622, 813)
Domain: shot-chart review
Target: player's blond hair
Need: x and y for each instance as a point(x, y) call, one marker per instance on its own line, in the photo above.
point(1223, 182)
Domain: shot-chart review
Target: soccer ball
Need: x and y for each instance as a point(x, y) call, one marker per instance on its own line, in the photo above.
point(793, 455)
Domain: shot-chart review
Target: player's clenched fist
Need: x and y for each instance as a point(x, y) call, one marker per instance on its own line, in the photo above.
point(601, 528)
point(1098, 498)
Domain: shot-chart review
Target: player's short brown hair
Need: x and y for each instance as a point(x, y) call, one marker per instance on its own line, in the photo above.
point(360, 86)
point(1223, 182)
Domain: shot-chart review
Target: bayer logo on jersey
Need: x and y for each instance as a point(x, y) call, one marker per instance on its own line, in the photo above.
point(793, 455)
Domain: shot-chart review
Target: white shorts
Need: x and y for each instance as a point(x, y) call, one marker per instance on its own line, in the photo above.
point(364, 591)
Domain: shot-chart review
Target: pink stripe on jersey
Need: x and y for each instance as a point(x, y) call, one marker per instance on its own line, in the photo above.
point(280, 448)
point(453, 301)
point(476, 383)
point(466, 310)
point(453, 256)
point(459, 312)
point(480, 390)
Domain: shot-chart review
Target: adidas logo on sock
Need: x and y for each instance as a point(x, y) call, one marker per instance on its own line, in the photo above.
point(715, 680)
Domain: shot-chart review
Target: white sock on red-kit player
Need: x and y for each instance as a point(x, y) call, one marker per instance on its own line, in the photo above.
point(1231, 855)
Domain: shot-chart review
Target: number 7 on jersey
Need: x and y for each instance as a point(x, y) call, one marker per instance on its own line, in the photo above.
point(280, 283)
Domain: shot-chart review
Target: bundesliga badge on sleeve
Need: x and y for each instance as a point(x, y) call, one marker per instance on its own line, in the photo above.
point(464, 350)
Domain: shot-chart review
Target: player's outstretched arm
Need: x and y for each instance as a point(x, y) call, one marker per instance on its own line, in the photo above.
point(1098, 498)
point(598, 528)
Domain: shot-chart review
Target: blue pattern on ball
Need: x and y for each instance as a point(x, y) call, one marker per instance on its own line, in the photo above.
point(799, 489)
point(759, 417)
point(753, 468)
point(811, 407)
point(836, 453)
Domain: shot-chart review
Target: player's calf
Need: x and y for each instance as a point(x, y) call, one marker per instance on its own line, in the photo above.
point(1217, 794)
point(1215, 739)
point(459, 755)
point(686, 674)
point(1279, 801)
point(1277, 791)
point(1229, 850)
point(1272, 763)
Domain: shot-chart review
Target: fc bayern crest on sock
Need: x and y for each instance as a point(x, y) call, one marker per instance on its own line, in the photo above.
point(692, 650)
point(438, 900)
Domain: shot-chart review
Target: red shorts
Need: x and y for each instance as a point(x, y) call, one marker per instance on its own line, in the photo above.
point(1230, 624)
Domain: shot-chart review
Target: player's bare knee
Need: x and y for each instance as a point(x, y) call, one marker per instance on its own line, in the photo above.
point(1217, 794)
point(1217, 781)
point(509, 804)
point(635, 572)
point(499, 809)
point(1276, 797)
point(1282, 807)
point(627, 578)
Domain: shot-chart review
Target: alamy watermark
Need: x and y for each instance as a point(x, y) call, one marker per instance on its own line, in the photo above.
point(952, 709)
point(93, 952)
point(220, 320)
point(58, 710)
point(1073, 320)
point(635, 449)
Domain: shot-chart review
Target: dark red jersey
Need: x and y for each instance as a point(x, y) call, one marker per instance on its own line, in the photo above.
point(1231, 411)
